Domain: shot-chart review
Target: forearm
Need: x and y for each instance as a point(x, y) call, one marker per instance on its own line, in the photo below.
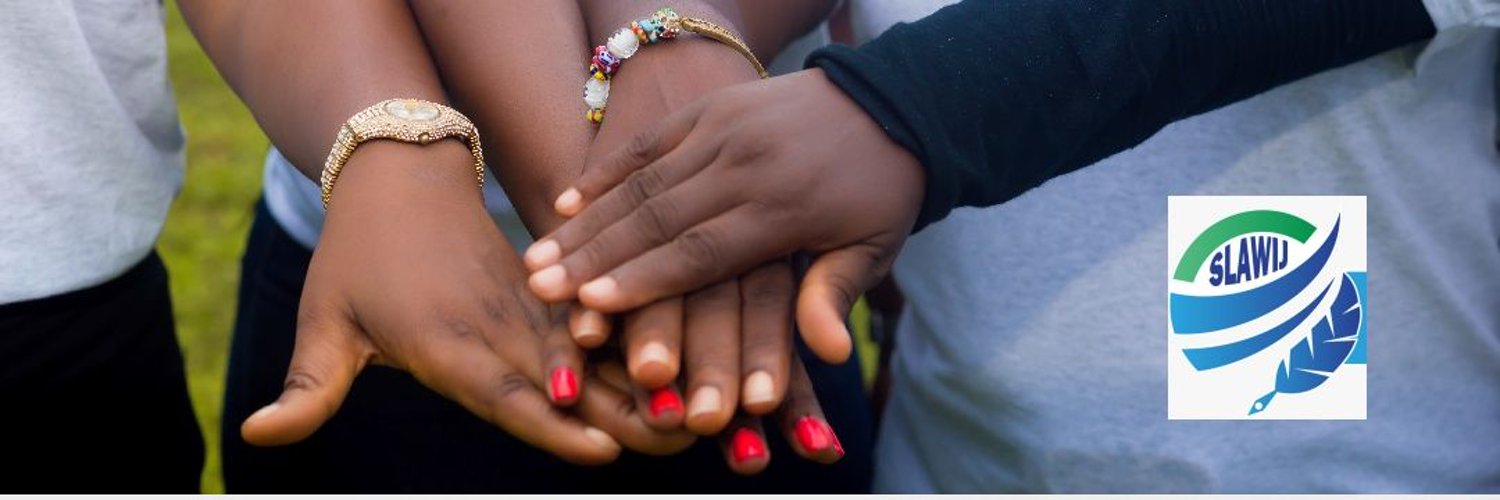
point(516, 69)
point(767, 26)
point(303, 68)
point(771, 25)
point(995, 98)
point(662, 76)
point(604, 17)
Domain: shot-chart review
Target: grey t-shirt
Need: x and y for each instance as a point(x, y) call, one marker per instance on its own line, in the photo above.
point(92, 149)
point(1032, 353)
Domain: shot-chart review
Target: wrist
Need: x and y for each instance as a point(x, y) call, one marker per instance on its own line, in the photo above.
point(388, 172)
point(674, 74)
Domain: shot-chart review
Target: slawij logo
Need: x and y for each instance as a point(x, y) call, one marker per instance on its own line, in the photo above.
point(1267, 306)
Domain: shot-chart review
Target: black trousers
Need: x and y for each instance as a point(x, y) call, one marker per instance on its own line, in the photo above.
point(394, 435)
point(93, 397)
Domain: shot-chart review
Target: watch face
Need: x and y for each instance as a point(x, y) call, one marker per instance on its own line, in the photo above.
point(412, 110)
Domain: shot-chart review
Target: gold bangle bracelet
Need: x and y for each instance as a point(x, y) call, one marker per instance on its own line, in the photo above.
point(708, 29)
point(665, 24)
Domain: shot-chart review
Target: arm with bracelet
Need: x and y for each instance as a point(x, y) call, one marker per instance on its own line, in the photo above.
point(520, 86)
point(409, 271)
point(722, 349)
point(971, 106)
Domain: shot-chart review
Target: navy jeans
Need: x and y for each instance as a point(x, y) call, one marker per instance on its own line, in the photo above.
point(394, 435)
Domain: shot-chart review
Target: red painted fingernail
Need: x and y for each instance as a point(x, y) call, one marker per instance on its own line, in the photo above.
point(564, 384)
point(746, 445)
point(664, 401)
point(813, 434)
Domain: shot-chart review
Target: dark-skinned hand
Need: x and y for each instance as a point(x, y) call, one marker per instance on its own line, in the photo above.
point(744, 176)
point(445, 302)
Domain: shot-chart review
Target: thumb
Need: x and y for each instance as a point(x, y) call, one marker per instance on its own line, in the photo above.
point(327, 356)
point(832, 284)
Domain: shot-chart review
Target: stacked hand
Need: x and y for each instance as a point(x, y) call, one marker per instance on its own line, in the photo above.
point(730, 341)
point(458, 320)
point(745, 176)
point(461, 321)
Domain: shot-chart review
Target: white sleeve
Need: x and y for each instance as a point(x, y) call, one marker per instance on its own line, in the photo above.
point(1448, 14)
point(1460, 24)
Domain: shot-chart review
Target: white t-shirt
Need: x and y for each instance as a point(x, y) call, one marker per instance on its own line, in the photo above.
point(1032, 353)
point(92, 149)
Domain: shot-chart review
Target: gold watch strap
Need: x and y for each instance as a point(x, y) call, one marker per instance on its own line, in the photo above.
point(407, 120)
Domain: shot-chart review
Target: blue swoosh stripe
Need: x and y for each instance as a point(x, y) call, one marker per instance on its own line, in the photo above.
point(1207, 358)
point(1199, 314)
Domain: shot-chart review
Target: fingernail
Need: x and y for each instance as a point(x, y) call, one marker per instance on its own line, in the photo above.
point(564, 384)
point(653, 353)
point(705, 400)
point(601, 437)
point(551, 280)
point(264, 411)
point(759, 389)
point(814, 435)
point(746, 445)
point(543, 254)
point(567, 203)
point(590, 327)
point(599, 290)
point(664, 401)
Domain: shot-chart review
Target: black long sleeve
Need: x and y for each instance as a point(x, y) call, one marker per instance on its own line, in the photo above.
point(998, 96)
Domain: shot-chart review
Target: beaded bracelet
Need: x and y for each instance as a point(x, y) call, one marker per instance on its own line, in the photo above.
point(665, 24)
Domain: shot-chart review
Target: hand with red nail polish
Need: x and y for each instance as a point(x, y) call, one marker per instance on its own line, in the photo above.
point(729, 344)
point(447, 303)
point(801, 421)
point(742, 177)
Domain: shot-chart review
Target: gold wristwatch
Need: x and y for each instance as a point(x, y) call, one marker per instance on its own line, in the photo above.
point(406, 120)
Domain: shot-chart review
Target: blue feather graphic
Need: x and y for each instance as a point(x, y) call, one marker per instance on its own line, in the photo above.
point(1323, 351)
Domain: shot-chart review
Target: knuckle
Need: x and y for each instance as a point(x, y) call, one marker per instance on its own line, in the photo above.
point(457, 326)
point(300, 379)
point(625, 408)
point(766, 294)
point(303, 380)
point(642, 147)
point(496, 310)
point(508, 396)
point(589, 258)
point(511, 391)
point(537, 317)
point(844, 290)
point(763, 346)
point(655, 219)
point(701, 250)
point(748, 148)
point(642, 185)
point(713, 297)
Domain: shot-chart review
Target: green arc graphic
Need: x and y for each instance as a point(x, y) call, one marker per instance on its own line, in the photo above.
point(1254, 221)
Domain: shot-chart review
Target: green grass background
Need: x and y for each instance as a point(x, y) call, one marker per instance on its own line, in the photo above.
point(206, 229)
point(205, 233)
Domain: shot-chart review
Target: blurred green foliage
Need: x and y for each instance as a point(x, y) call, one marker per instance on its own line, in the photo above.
point(205, 232)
